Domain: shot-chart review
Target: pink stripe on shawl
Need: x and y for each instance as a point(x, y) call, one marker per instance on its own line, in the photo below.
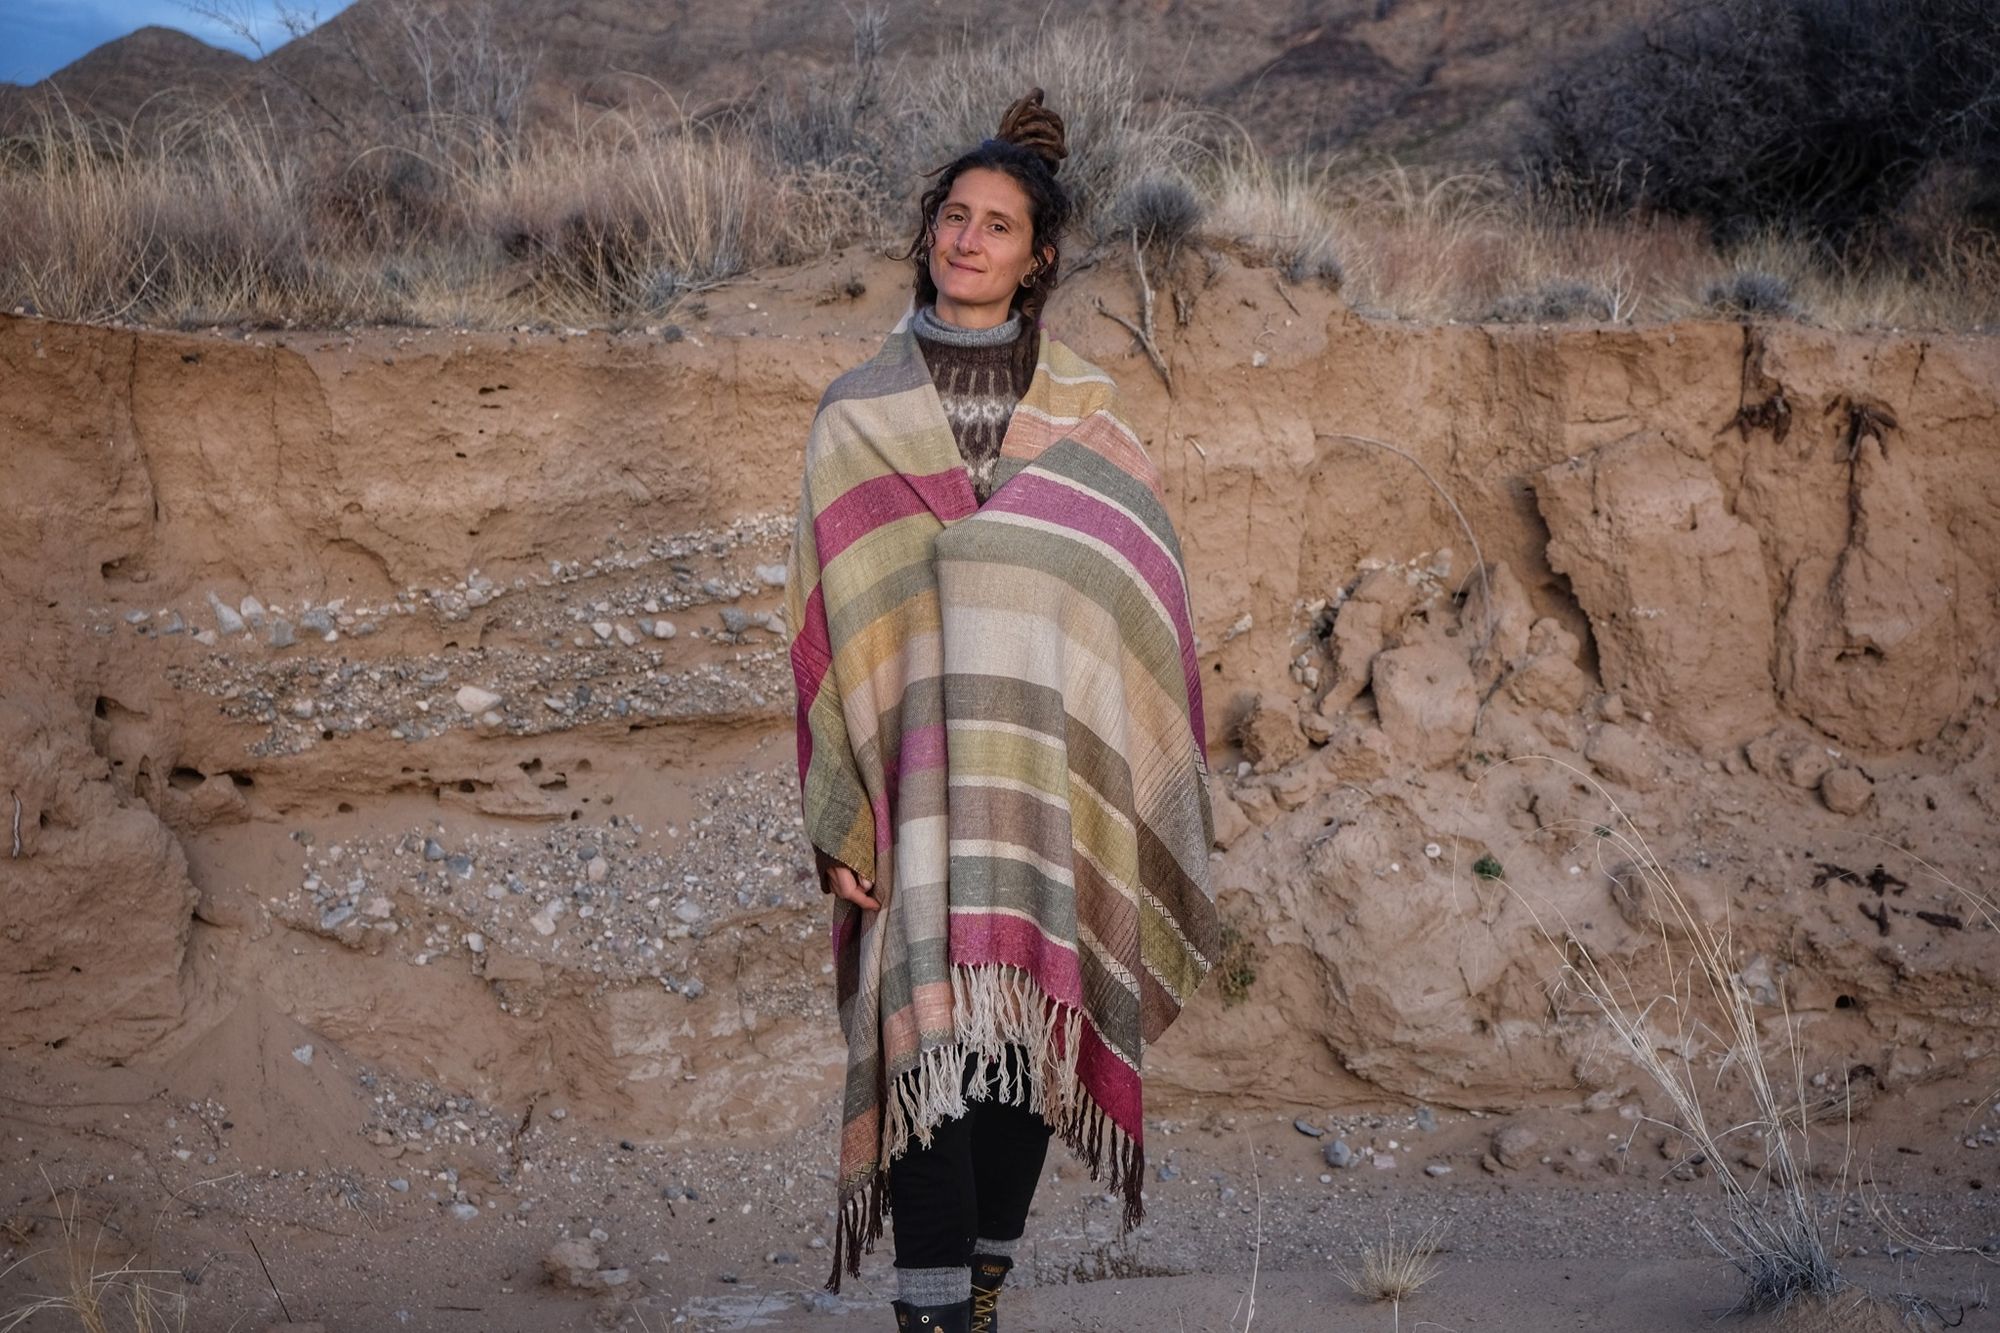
point(879, 501)
point(979, 936)
point(812, 656)
point(1112, 1084)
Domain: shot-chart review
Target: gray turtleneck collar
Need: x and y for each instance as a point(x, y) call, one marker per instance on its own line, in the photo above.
point(926, 324)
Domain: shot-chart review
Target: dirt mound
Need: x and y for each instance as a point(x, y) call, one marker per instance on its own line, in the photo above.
point(423, 691)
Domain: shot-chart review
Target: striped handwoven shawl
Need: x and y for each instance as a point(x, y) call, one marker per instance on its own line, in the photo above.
point(999, 722)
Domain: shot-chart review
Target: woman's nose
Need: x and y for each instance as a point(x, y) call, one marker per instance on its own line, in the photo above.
point(965, 240)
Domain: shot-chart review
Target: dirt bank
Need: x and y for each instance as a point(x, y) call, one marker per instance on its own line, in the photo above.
point(414, 697)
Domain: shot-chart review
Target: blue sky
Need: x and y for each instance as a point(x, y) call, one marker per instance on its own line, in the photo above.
point(39, 37)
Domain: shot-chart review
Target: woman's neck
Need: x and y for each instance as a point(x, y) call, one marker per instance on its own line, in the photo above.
point(932, 324)
point(960, 315)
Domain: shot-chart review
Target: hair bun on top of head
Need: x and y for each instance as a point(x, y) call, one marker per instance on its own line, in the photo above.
point(1034, 127)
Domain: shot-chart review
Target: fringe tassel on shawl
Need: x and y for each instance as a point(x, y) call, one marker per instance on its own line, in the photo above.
point(993, 1007)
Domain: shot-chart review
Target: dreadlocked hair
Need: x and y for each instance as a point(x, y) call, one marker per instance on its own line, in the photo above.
point(1028, 147)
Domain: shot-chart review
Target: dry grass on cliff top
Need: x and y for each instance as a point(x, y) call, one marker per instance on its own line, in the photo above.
point(618, 217)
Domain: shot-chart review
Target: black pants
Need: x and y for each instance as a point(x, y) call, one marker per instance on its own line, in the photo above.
point(974, 1182)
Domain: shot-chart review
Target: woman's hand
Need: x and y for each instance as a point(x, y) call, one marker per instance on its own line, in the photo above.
point(841, 881)
point(852, 887)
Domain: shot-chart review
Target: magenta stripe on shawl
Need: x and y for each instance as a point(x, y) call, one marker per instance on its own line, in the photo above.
point(879, 501)
point(812, 656)
point(999, 937)
point(1112, 1084)
point(922, 750)
point(1052, 501)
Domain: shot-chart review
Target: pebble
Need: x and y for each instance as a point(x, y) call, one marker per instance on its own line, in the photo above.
point(735, 620)
point(226, 618)
point(473, 701)
point(400, 1185)
point(282, 635)
point(1437, 1169)
point(772, 576)
point(433, 850)
point(1338, 1154)
point(1385, 1161)
point(1427, 1120)
point(303, 1054)
point(664, 629)
point(460, 865)
point(1307, 1128)
point(335, 917)
point(252, 609)
point(601, 628)
point(464, 1212)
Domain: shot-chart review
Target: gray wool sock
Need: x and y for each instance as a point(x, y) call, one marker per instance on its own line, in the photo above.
point(933, 1286)
point(995, 1249)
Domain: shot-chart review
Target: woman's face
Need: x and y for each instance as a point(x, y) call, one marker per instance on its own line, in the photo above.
point(983, 248)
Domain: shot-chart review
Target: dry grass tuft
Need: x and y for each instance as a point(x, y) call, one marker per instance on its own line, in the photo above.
point(97, 1298)
point(1395, 1267)
point(1732, 1071)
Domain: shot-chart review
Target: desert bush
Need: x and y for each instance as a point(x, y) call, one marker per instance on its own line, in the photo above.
point(1555, 303)
point(1162, 212)
point(1753, 294)
point(1816, 116)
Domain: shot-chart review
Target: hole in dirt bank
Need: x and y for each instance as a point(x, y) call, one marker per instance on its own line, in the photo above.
point(530, 767)
point(583, 765)
point(241, 780)
point(345, 808)
point(186, 779)
point(1846, 1002)
point(103, 708)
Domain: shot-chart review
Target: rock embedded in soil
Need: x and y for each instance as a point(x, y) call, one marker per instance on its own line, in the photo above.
point(1846, 791)
point(472, 700)
point(1515, 1146)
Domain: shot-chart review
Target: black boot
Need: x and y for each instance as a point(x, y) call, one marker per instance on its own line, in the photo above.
point(953, 1318)
point(988, 1272)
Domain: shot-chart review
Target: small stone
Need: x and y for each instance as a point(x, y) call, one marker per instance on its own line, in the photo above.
point(598, 870)
point(1168, 1171)
point(253, 611)
point(571, 1263)
point(686, 912)
point(473, 700)
point(138, 617)
point(378, 909)
point(460, 865)
point(335, 917)
point(303, 1054)
point(318, 619)
point(626, 636)
point(601, 628)
point(1385, 1161)
point(558, 1113)
point(1427, 1120)
point(281, 634)
point(734, 620)
point(226, 618)
point(1846, 791)
point(475, 941)
point(613, 1277)
point(1515, 1145)
point(664, 629)
point(173, 624)
point(693, 990)
point(433, 850)
point(1437, 1169)
point(1338, 1154)
point(400, 1185)
point(771, 576)
point(599, 1234)
point(464, 1212)
point(1307, 1128)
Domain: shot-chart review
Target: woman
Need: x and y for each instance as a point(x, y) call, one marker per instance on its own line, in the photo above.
point(1000, 745)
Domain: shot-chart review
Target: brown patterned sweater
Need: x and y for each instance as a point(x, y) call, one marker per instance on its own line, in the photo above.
point(978, 381)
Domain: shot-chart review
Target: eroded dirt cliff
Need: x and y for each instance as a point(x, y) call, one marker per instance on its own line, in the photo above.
point(421, 692)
